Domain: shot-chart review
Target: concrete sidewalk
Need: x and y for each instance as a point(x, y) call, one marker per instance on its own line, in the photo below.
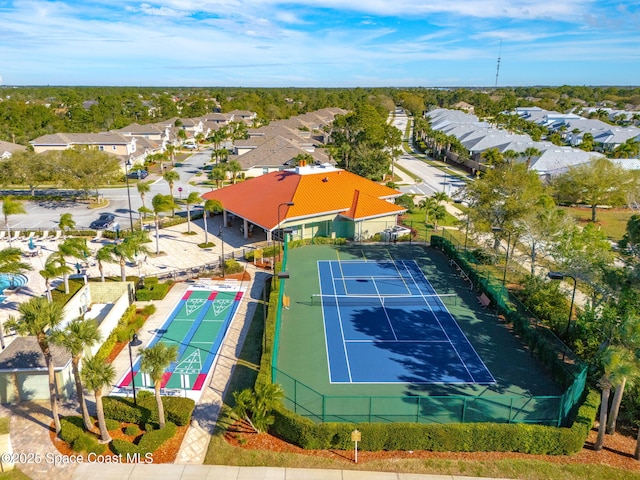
point(215, 472)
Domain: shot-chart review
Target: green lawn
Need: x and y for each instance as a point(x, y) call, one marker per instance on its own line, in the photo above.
point(612, 221)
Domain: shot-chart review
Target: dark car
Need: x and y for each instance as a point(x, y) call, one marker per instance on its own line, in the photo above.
point(139, 174)
point(106, 220)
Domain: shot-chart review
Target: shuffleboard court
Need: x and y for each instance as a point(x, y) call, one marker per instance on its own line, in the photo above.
point(197, 325)
point(378, 315)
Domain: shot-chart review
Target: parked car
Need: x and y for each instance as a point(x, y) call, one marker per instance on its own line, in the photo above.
point(139, 174)
point(105, 220)
point(190, 146)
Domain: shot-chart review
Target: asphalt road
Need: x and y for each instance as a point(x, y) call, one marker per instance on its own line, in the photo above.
point(433, 179)
point(45, 214)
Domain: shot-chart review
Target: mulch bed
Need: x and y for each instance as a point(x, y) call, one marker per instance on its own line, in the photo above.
point(167, 452)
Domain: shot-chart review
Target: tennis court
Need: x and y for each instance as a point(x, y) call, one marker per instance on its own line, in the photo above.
point(197, 325)
point(379, 314)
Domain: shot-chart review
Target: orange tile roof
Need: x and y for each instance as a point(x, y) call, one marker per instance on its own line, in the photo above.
point(328, 191)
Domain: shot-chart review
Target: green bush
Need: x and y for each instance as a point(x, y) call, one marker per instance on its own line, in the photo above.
point(177, 409)
point(132, 430)
point(148, 310)
point(232, 266)
point(149, 443)
point(152, 291)
point(71, 428)
point(112, 424)
point(87, 443)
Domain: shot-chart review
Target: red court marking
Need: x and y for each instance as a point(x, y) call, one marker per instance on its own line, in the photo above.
point(165, 378)
point(212, 295)
point(197, 385)
point(126, 380)
point(238, 296)
point(186, 295)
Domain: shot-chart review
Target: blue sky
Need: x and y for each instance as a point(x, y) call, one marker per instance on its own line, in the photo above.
point(319, 43)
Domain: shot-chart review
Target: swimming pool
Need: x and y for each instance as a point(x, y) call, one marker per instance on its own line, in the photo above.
point(8, 281)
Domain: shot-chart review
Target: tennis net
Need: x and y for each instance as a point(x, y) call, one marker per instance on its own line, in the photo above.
point(387, 301)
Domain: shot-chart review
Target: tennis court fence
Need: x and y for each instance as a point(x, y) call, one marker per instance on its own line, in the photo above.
point(311, 404)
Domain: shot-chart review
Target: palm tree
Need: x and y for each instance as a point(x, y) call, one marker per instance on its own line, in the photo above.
point(11, 264)
point(192, 199)
point(234, 167)
point(37, 317)
point(161, 203)
point(492, 156)
point(103, 254)
point(143, 189)
point(429, 204)
point(210, 206)
point(76, 337)
point(96, 375)
point(171, 152)
point(52, 269)
point(171, 177)
point(126, 251)
point(71, 247)
point(616, 361)
point(66, 223)
point(154, 361)
point(529, 153)
point(255, 406)
point(218, 174)
point(11, 206)
point(510, 156)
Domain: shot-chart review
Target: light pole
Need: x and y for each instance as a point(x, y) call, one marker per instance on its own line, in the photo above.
point(222, 245)
point(562, 276)
point(285, 204)
point(135, 342)
point(127, 164)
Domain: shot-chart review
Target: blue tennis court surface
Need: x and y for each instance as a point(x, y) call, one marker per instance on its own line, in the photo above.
point(385, 323)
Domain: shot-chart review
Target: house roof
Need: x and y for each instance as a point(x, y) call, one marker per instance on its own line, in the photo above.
point(103, 138)
point(276, 152)
point(24, 353)
point(314, 190)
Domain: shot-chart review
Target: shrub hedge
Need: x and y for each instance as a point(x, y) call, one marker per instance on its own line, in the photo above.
point(454, 437)
point(72, 431)
point(149, 442)
point(461, 437)
point(177, 409)
point(153, 290)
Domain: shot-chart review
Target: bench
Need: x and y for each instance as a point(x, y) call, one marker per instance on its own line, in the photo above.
point(484, 301)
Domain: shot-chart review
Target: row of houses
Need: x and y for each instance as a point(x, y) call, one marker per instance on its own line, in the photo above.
point(478, 136)
point(267, 148)
point(573, 127)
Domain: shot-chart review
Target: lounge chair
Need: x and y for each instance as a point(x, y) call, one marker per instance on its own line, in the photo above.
point(2, 234)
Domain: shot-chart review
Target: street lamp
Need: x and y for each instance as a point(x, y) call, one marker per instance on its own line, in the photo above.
point(562, 276)
point(285, 204)
point(127, 164)
point(221, 244)
point(135, 342)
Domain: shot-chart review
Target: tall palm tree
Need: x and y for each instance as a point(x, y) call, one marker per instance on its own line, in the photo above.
point(71, 247)
point(171, 177)
point(171, 152)
point(11, 263)
point(161, 203)
point(103, 254)
point(192, 199)
point(235, 168)
point(529, 153)
point(154, 361)
point(37, 317)
point(126, 251)
point(96, 375)
point(492, 156)
point(52, 269)
point(143, 189)
point(210, 206)
point(510, 155)
point(76, 337)
point(11, 206)
point(218, 174)
point(66, 223)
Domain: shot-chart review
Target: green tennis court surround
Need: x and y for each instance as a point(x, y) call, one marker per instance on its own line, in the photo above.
point(523, 391)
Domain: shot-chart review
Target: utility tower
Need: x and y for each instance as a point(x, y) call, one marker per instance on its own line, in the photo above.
point(498, 67)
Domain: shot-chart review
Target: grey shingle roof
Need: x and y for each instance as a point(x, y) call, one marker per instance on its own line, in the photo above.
point(25, 354)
